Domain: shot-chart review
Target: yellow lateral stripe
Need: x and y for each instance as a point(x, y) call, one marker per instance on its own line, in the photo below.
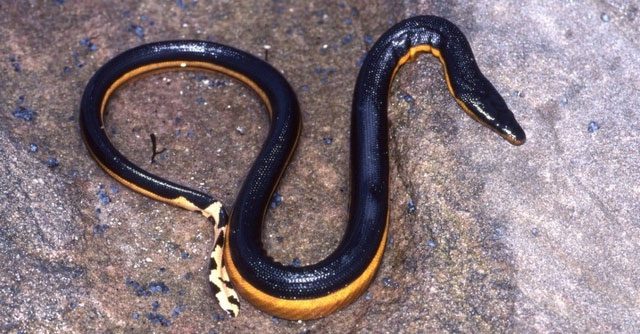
point(305, 309)
point(414, 52)
point(185, 65)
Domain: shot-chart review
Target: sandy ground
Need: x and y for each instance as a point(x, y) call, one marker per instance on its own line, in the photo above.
point(538, 238)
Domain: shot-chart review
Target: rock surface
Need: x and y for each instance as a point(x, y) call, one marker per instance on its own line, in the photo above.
point(485, 237)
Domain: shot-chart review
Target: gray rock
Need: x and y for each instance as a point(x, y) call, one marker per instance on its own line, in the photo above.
point(538, 238)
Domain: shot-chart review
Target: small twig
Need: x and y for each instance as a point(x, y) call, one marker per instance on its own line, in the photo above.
point(154, 148)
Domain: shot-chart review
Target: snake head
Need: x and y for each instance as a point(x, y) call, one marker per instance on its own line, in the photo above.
point(490, 110)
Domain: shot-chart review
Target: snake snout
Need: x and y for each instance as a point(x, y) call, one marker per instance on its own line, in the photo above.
point(492, 111)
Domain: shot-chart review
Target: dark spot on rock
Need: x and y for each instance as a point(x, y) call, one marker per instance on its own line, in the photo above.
point(276, 200)
point(360, 61)
point(476, 276)
point(631, 13)
point(188, 276)
point(60, 269)
point(410, 264)
point(184, 255)
point(73, 172)
point(53, 162)
point(411, 207)
point(219, 316)
point(15, 63)
point(217, 83)
point(73, 304)
point(324, 73)
point(177, 310)
point(33, 148)
point(100, 229)
point(147, 19)
point(102, 195)
point(321, 16)
point(535, 232)
point(432, 243)
point(327, 140)
point(347, 39)
point(296, 262)
point(201, 100)
point(368, 295)
point(155, 305)
point(564, 101)
point(368, 39)
point(86, 42)
point(24, 113)
point(158, 287)
point(76, 59)
point(141, 290)
point(158, 319)
point(593, 127)
point(137, 30)
point(173, 246)
point(389, 283)
point(406, 97)
point(355, 12)
point(568, 33)
point(135, 315)
point(138, 288)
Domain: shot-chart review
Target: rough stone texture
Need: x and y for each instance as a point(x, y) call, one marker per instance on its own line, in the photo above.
point(538, 238)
